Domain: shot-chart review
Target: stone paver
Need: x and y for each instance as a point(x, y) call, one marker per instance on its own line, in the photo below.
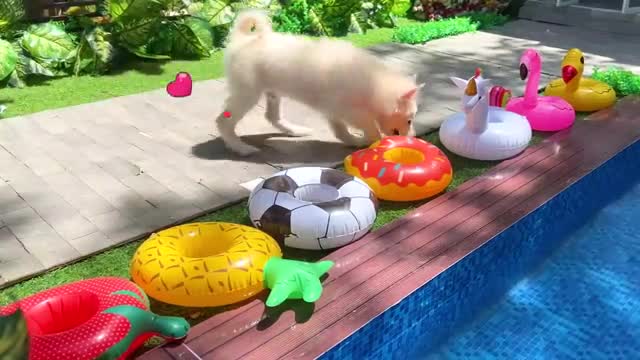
point(77, 180)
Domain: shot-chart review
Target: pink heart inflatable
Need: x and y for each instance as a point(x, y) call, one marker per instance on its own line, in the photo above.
point(181, 86)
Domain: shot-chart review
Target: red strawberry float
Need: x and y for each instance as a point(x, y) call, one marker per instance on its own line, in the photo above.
point(106, 318)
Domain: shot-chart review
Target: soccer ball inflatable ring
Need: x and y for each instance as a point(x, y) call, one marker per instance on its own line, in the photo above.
point(313, 208)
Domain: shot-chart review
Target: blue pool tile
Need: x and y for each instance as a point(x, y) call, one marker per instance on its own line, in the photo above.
point(475, 287)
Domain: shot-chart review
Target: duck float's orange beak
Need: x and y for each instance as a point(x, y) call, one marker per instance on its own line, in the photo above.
point(568, 73)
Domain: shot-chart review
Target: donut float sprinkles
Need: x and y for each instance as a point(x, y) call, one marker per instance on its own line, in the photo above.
point(401, 168)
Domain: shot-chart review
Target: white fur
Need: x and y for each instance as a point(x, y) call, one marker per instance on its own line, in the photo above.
point(349, 86)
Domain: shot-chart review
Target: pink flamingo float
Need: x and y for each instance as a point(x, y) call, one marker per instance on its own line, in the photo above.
point(545, 113)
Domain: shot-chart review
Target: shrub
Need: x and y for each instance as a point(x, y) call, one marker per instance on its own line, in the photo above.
point(294, 18)
point(624, 82)
point(337, 17)
point(441, 9)
point(421, 33)
point(153, 29)
point(161, 29)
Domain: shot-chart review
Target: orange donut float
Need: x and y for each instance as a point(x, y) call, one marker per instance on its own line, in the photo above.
point(401, 168)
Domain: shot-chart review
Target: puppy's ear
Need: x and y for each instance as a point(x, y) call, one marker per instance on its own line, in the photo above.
point(460, 83)
point(411, 94)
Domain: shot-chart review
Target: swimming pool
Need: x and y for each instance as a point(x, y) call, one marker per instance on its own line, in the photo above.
point(470, 289)
point(583, 302)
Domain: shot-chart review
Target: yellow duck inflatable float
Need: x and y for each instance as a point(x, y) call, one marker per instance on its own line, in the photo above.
point(584, 94)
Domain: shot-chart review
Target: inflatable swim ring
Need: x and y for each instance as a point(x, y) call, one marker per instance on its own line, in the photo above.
point(313, 208)
point(480, 131)
point(583, 93)
point(545, 113)
point(102, 317)
point(215, 263)
point(401, 168)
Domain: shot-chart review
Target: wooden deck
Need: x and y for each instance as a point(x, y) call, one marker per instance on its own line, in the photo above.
point(381, 269)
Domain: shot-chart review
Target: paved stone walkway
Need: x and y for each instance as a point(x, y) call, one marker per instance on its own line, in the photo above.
point(81, 179)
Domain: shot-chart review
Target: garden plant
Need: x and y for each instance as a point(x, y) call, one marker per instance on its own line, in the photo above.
point(94, 38)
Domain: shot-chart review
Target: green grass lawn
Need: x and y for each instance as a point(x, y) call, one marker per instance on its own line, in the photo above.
point(136, 77)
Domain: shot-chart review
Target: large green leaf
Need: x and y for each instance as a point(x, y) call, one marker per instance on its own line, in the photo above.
point(162, 40)
point(15, 80)
point(99, 41)
point(14, 339)
point(191, 37)
point(217, 12)
point(83, 59)
point(145, 54)
point(203, 31)
point(11, 12)
point(399, 7)
point(29, 66)
point(252, 4)
point(48, 42)
point(95, 50)
point(334, 16)
point(134, 33)
point(133, 9)
point(188, 43)
point(8, 59)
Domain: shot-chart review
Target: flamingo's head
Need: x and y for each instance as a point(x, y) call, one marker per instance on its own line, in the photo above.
point(572, 65)
point(476, 91)
point(530, 63)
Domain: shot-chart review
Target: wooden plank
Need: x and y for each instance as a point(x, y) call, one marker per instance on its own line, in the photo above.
point(376, 244)
point(158, 353)
point(403, 259)
point(341, 329)
point(388, 256)
point(406, 226)
point(223, 319)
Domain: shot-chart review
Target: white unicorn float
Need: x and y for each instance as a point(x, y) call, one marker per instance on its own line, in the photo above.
point(484, 130)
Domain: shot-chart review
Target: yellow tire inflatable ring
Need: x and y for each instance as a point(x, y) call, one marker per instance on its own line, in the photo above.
point(214, 264)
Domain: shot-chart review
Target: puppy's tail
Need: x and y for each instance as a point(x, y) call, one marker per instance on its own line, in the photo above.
point(250, 23)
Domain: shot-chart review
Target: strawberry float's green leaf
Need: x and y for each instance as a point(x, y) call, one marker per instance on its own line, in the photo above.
point(143, 322)
point(8, 59)
point(292, 279)
point(14, 339)
point(48, 42)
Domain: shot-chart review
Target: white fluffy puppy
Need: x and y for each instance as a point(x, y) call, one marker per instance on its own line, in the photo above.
point(349, 86)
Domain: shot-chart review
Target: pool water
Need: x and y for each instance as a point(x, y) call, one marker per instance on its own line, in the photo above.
point(581, 303)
